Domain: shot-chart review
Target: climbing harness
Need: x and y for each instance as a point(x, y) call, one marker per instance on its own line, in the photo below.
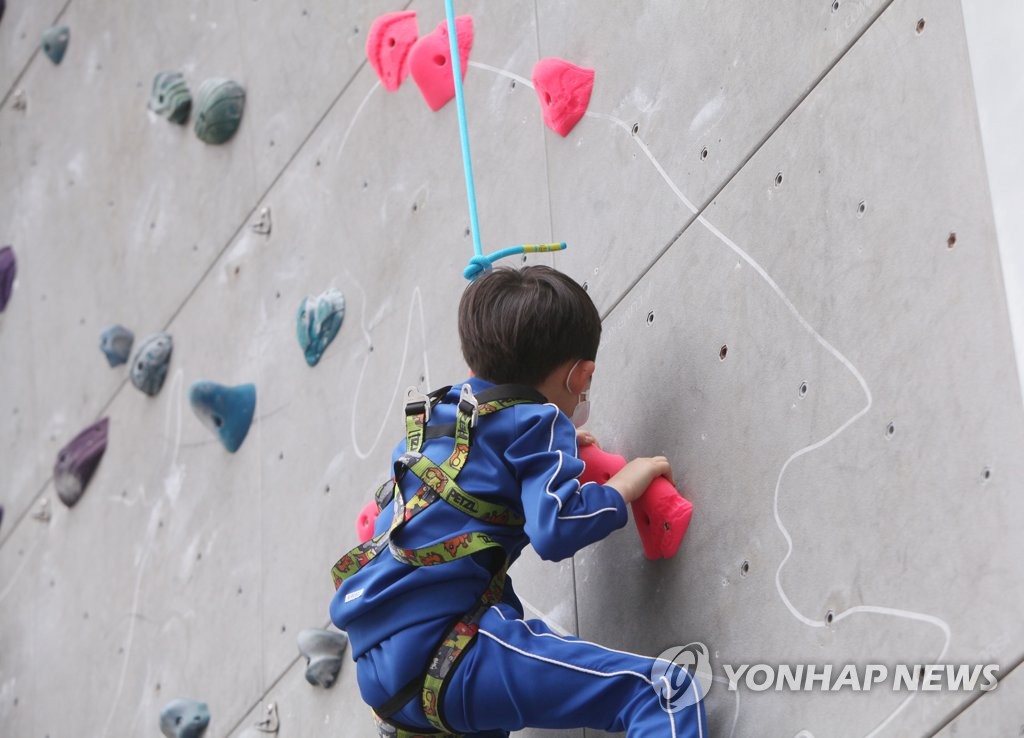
point(438, 482)
point(479, 263)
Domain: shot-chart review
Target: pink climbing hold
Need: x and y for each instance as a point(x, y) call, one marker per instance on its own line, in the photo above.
point(388, 44)
point(564, 91)
point(366, 520)
point(661, 514)
point(430, 61)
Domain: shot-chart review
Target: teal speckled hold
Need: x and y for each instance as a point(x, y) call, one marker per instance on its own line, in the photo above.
point(219, 106)
point(170, 97)
point(227, 411)
point(318, 323)
point(149, 367)
point(55, 42)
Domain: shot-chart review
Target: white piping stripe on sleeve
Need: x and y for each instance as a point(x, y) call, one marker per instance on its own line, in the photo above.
point(588, 515)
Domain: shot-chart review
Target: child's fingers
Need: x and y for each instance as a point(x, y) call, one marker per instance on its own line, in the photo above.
point(664, 468)
point(585, 438)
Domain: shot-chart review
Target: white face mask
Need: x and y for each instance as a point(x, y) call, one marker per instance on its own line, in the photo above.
point(581, 414)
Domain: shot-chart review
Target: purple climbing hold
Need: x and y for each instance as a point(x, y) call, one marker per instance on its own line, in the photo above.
point(77, 461)
point(8, 269)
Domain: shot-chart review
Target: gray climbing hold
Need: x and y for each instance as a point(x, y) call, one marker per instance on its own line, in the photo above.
point(55, 42)
point(219, 106)
point(149, 367)
point(116, 342)
point(227, 411)
point(184, 719)
point(77, 461)
point(318, 321)
point(3, 7)
point(170, 97)
point(8, 270)
point(323, 650)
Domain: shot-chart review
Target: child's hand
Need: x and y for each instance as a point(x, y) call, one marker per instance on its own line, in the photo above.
point(635, 477)
point(586, 438)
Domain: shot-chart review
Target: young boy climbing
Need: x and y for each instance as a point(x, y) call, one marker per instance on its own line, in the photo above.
point(486, 468)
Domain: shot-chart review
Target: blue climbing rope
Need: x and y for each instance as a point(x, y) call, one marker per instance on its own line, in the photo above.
point(479, 263)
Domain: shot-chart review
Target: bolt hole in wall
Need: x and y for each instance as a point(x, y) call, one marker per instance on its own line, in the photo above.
point(951, 240)
point(920, 26)
point(723, 352)
point(829, 617)
point(439, 60)
point(890, 430)
point(778, 179)
point(744, 568)
point(636, 129)
point(704, 153)
point(835, 6)
point(862, 207)
point(986, 474)
point(650, 317)
point(803, 390)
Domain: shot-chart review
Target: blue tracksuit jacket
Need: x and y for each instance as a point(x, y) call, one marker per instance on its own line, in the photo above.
point(525, 458)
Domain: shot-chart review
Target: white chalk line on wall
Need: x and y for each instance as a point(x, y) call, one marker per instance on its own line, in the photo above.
point(725, 240)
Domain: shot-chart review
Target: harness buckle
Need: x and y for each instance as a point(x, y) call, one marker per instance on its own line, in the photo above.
point(469, 405)
point(417, 403)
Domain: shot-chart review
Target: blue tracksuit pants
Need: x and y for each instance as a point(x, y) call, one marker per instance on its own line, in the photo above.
point(521, 674)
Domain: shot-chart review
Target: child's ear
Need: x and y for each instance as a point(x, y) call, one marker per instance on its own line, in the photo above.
point(580, 377)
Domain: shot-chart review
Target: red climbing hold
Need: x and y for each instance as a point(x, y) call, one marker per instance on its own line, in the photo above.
point(366, 520)
point(661, 514)
point(430, 61)
point(387, 46)
point(564, 91)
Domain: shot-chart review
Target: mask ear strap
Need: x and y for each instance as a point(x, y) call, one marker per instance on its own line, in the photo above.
point(569, 375)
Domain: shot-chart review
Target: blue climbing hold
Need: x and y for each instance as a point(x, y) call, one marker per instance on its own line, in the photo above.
point(149, 367)
point(318, 322)
point(184, 719)
point(116, 342)
point(55, 42)
point(227, 411)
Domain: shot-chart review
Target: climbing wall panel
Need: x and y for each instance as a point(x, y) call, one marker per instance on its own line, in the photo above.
point(833, 385)
point(844, 280)
point(96, 241)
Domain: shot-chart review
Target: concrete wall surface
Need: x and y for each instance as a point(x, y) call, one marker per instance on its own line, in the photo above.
point(781, 210)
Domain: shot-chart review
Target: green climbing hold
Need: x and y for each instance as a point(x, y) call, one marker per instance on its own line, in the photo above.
point(55, 42)
point(170, 97)
point(219, 106)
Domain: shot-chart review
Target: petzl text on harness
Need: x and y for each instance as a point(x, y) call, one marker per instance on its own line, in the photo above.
point(438, 482)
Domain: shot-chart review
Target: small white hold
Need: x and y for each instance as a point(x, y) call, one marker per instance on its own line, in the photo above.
point(262, 225)
point(43, 513)
point(271, 723)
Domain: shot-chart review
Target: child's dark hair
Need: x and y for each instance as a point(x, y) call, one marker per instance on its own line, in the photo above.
point(519, 325)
